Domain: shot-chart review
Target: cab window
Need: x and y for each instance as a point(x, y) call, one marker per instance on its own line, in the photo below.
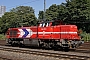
point(44, 25)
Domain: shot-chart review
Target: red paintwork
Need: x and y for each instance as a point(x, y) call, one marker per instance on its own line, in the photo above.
point(68, 32)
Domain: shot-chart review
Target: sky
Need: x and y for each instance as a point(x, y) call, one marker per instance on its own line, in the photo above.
point(38, 5)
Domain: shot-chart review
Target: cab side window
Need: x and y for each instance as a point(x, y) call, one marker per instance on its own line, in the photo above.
point(44, 25)
point(47, 24)
point(40, 25)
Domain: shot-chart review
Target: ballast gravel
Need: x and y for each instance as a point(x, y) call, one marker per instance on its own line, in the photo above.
point(23, 56)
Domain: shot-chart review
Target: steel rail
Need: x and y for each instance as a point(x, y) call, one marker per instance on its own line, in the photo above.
point(44, 53)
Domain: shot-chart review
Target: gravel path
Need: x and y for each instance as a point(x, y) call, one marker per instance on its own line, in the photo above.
point(22, 56)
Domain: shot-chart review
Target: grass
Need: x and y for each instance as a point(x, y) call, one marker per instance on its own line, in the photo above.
point(2, 37)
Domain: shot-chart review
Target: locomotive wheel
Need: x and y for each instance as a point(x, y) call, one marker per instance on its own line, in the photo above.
point(9, 41)
point(21, 45)
point(13, 44)
point(66, 49)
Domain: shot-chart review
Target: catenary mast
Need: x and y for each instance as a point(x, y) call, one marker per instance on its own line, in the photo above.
point(44, 18)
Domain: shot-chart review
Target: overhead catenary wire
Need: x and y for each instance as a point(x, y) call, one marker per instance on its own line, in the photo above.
point(23, 3)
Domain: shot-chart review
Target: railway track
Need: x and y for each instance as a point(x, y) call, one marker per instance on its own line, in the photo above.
point(2, 42)
point(81, 49)
point(55, 54)
point(3, 58)
point(84, 48)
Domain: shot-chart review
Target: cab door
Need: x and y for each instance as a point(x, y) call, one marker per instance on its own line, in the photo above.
point(44, 31)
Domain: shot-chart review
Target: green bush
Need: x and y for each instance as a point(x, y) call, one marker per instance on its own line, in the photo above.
point(2, 37)
point(85, 36)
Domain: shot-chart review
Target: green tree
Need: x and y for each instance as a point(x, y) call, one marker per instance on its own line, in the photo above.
point(78, 13)
point(52, 12)
point(17, 17)
point(41, 15)
point(8, 20)
point(62, 12)
point(22, 9)
point(26, 15)
point(77, 10)
point(0, 25)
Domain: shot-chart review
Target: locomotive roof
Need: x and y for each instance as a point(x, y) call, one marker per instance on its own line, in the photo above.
point(49, 21)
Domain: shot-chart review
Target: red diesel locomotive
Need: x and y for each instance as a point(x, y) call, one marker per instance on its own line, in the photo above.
point(51, 34)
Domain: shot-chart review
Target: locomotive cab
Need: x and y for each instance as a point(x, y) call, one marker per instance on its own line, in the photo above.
point(59, 35)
